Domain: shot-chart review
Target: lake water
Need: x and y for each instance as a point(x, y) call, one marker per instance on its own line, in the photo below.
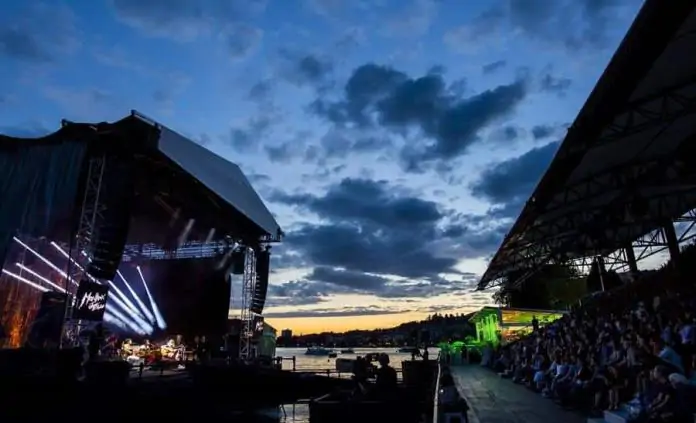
point(311, 362)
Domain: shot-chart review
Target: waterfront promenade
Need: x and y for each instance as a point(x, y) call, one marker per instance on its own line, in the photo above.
point(496, 400)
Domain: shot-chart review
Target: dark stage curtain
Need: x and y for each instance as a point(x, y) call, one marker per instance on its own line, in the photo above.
point(38, 182)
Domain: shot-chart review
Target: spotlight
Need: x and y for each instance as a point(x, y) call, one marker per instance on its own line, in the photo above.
point(45, 260)
point(41, 278)
point(139, 321)
point(67, 256)
point(142, 305)
point(125, 299)
point(24, 280)
point(142, 328)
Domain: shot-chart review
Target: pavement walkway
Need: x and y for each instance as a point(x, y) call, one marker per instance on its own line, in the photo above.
point(493, 399)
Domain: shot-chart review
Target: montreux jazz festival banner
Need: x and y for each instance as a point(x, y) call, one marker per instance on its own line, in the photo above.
point(90, 302)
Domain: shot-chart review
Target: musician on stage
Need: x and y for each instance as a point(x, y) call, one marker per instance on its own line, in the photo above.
point(175, 349)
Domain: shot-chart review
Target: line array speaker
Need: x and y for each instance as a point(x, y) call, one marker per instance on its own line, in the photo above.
point(263, 267)
point(111, 232)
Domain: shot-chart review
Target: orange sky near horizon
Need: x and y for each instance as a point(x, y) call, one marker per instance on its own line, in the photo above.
point(308, 325)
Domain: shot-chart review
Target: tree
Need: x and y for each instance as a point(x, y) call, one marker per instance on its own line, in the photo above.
point(540, 290)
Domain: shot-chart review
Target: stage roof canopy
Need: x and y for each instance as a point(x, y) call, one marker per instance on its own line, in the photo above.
point(221, 176)
point(175, 179)
point(627, 163)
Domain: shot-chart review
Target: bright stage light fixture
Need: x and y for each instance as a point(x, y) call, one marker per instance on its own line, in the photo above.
point(109, 318)
point(158, 316)
point(41, 278)
point(67, 256)
point(135, 317)
point(25, 280)
point(45, 260)
point(123, 304)
point(142, 311)
point(133, 326)
point(135, 296)
point(125, 299)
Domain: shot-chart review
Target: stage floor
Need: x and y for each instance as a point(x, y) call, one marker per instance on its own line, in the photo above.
point(496, 400)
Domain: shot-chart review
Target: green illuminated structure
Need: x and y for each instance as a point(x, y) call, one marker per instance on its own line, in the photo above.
point(496, 324)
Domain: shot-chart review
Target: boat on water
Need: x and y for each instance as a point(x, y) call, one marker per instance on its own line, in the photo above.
point(347, 351)
point(321, 351)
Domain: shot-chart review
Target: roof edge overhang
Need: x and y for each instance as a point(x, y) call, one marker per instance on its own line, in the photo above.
point(656, 24)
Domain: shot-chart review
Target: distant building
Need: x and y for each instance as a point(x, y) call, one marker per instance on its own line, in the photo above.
point(286, 334)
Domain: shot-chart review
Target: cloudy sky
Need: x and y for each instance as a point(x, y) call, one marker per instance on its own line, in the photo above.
point(395, 140)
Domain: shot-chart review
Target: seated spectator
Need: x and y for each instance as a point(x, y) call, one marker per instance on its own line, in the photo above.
point(685, 394)
point(668, 354)
point(615, 343)
point(663, 405)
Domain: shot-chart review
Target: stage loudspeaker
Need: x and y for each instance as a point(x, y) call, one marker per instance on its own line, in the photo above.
point(238, 258)
point(263, 267)
point(109, 237)
point(46, 329)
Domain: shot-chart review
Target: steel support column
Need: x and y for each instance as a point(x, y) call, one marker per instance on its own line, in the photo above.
point(631, 259)
point(671, 238)
point(246, 331)
point(81, 240)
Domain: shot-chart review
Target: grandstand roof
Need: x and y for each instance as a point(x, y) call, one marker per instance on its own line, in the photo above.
point(627, 163)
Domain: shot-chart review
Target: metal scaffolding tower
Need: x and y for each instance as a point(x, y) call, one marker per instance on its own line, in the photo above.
point(90, 217)
point(247, 318)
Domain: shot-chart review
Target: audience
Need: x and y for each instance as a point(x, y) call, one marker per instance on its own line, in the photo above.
point(634, 345)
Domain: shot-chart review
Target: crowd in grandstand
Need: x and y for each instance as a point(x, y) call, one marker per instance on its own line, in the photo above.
point(632, 348)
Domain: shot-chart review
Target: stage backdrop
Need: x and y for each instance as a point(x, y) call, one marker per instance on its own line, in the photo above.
point(193, 297)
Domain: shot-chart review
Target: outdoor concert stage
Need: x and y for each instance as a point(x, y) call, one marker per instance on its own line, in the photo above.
point(135, 207)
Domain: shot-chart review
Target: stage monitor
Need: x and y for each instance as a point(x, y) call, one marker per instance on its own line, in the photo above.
point(90, 301)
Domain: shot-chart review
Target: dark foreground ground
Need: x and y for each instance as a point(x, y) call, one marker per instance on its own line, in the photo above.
point(168, 397)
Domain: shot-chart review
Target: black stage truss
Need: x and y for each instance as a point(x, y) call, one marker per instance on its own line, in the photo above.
point(627, 165)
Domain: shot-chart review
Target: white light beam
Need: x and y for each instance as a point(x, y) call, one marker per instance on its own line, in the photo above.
point(158, 316)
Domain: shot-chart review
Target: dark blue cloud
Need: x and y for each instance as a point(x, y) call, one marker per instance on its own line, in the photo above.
point(382, 97)
point(493, 66)
point(509, 183)
point(371, 228)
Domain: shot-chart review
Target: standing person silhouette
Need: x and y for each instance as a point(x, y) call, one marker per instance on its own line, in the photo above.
point(385, 385)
